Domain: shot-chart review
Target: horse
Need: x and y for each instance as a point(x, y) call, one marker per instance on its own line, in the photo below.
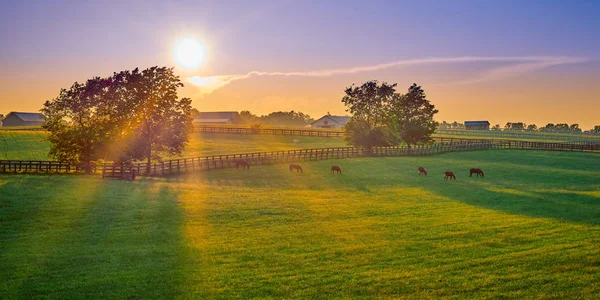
point(449, 175)
point(296, 167)
point(336, 169)
point(476, 171)
point(245, 164)
point(422, 171)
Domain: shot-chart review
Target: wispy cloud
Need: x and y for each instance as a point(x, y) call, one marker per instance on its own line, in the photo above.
point(518, 65)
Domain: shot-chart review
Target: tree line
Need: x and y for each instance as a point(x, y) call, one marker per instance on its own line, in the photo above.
point(131, 115)
point(522, 126)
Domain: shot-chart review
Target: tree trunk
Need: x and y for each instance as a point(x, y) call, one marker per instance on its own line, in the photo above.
point(148, 162)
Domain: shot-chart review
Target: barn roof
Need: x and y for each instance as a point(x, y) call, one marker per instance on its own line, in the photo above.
point(228, 115)
point(477, 123)
point(28, 117)
point(342, 120)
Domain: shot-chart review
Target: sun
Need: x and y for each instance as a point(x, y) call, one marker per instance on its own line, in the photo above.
point(189, 53)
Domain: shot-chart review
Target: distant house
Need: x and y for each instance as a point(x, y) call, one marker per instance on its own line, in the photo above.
point(329, 121)
point(218, 117)
point(477, 125)
point(23, 119)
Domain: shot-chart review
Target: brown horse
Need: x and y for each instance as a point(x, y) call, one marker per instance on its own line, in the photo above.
point(296, 167)
point(475, 171)
point(422, 171)
point(449, 175)
point(245, 164)
point(336, 169)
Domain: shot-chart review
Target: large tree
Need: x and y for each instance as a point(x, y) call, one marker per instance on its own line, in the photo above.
point(79, 122)
point(131, 115)
point(369, 104)
point(411, 116)
point(157, 122)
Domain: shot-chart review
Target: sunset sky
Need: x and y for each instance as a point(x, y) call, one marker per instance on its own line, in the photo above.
point(502, 61)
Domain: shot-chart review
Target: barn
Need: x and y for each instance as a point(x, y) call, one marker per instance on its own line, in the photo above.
point(477, 125)
point(23, 119)
point(217, 117)
point(329, 121)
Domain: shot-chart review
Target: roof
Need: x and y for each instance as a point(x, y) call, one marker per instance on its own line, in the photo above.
point(342, 120)
point(28, 117)
point(211, 120)
point(477, 123)
point(219, 115)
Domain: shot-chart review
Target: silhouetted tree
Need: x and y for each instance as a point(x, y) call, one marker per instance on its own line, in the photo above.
point(157, 122)
point(129, 116)
point(411, 116)
point(195, 113)
point(496, 127)
point(531, 127)
point(246, 117)
point(284, 118)
point(574, 128)
point(79, 121)
point(369, 105)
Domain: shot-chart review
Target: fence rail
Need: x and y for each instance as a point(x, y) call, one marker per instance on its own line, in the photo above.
point(269, 131)
point(175, 166)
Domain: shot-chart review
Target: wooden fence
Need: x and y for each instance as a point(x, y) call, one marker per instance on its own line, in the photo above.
point(269, 131)
point(175, 166)
point(42, 166)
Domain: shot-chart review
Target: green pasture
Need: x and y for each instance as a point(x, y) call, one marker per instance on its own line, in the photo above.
point(32, 145)
point(529, 229)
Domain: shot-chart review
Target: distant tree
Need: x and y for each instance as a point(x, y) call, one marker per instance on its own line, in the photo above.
point(596, 129)
point(516, 126)
point(157, 122)
point(369, 105)
point(574, 128)
point(548, 128)
point(246, 117)
point(195, 113)
point(531, 127)
point(444, 126)
point(79, 122)
point(411, 116)
point(282, 118)
point(1, 117)
point(561, 127)
point(496, 127)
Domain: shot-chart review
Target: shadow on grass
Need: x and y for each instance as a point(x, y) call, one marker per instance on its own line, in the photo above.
point(95, 238)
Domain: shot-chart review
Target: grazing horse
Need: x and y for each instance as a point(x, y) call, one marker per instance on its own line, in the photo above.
point(475, 171)
point(449, 175)
point(245, 164)
point(422, 171)
point(296, 167)
point(336, 169)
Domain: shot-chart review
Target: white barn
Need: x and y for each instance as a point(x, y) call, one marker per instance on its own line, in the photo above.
point(329, 121)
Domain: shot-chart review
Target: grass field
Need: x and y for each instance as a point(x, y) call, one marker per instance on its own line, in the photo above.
point(529, 229)
point(32, 145)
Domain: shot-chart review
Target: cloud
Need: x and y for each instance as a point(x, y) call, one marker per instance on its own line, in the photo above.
point(519, 64)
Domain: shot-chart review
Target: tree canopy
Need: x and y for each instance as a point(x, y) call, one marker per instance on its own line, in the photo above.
point(383, 117)
point(128, 116)
point(411, 116)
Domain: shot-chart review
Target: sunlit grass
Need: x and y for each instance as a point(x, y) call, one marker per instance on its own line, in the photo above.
point(529, 229)
point(32, 145)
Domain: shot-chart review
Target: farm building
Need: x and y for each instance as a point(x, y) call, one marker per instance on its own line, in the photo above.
point(329, 121)
point(477, 125)
point(218, 117)
point(23, 119)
